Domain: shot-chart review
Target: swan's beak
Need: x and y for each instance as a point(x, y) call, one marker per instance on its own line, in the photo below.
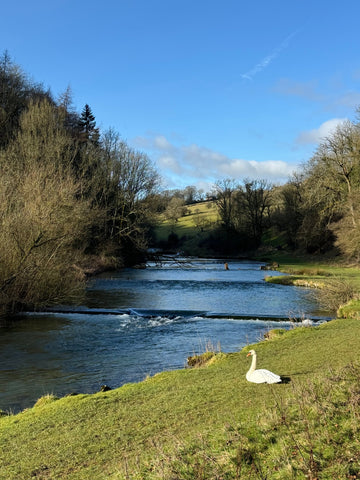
point(248, 355)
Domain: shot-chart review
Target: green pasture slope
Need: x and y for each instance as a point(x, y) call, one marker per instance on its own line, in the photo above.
point(201, 218)
point(208, 422)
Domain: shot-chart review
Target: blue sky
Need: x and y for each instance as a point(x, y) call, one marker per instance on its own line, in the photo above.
point(208, 89)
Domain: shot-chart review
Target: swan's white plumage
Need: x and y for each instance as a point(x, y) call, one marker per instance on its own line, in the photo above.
point(261, 375)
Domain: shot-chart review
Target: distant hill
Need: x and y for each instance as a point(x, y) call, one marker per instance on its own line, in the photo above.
point(190, 232)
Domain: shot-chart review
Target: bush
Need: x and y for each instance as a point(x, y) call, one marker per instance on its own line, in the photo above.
point(335, 293)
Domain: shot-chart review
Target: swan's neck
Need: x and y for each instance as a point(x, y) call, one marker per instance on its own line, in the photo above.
point(253, 363)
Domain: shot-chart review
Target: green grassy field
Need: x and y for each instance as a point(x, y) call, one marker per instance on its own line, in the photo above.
point(207, 423)
point(201, 218)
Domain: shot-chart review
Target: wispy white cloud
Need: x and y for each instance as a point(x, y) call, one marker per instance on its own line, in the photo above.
point(271, 169)
point(196, 165)
point(307, 90)
point(266, 61)
point(331, 96)
point(349, 99)
point(161, 143)
point(316, 135)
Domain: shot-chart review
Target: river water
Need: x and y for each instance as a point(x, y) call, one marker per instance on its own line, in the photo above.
point(137, 322)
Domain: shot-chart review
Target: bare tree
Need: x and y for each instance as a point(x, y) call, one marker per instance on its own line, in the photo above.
point(256, 203)
point(41, 214)
point(124, 186)
point(225, 194)
point(175, 209)
point(331, 189)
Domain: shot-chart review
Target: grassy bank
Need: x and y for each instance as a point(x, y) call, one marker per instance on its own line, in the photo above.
point(205, 423)
point(339, 284)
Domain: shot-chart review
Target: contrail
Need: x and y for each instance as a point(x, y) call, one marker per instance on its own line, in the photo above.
point(265, 62)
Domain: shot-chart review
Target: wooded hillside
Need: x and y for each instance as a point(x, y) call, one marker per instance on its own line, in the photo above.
point(70, 196)
point(73, 198)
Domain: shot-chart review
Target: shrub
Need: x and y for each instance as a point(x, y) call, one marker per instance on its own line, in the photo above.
point(335, 293)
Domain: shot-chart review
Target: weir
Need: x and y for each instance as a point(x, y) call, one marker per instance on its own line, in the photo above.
point(152, 313)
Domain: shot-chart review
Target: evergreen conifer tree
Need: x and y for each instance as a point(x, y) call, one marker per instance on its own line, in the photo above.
point(87, 126)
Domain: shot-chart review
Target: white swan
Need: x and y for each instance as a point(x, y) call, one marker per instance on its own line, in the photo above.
point(261, 375)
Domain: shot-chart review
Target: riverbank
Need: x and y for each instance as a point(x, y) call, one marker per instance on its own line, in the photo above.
point(206, 422)
point(203, 422)
point(338, 283)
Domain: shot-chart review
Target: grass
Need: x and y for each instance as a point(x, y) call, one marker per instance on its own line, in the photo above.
point(305, 435)
point(310, 266)
point(338, 284)
point(201, 217)
point(350, 310)
point(203, 423)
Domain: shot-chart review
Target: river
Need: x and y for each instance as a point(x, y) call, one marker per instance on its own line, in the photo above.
point(137, 322)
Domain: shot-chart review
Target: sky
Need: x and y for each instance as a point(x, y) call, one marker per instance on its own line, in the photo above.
point(207, 89)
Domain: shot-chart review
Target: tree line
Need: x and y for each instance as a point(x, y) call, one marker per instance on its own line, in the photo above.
point(69, 195)
point(317, 211)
